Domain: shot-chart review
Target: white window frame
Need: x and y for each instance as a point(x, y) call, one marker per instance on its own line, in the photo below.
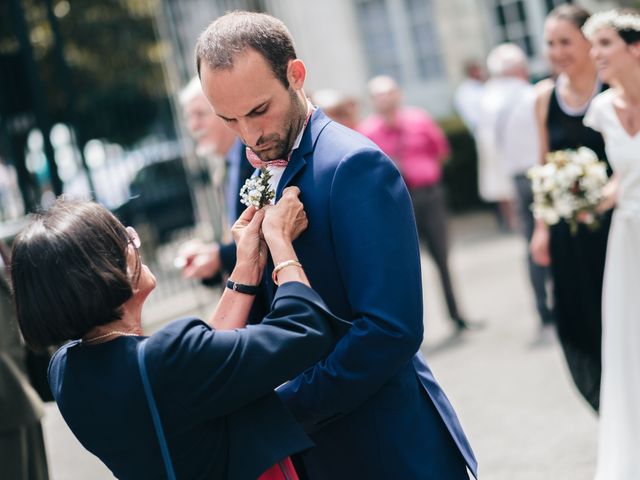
point(401, 30)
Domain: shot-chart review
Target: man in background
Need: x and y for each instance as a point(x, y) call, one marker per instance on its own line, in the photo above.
point(338, 106)
point(468, 94)
point(229, 168)
point(419, 147)
point(517, 149)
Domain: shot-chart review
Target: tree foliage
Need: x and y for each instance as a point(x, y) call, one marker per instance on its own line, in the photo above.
point(114, 76)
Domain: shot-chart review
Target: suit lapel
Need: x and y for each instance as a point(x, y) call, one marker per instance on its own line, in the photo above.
point(302, 154)
point(299, 159)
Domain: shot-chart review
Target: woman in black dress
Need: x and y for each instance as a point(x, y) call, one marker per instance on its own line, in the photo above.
point(577, 260)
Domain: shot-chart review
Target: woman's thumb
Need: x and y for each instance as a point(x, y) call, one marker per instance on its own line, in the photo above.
point(247, 215)
point(256, 221)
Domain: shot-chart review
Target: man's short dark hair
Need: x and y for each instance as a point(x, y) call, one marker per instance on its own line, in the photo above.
point(234, 33)
point(69, 272)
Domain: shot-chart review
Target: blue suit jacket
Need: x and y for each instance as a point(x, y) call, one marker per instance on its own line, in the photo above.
point(372, 407)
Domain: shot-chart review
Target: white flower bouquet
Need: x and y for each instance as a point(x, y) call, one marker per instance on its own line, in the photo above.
point(568, 187)
point(256, 190)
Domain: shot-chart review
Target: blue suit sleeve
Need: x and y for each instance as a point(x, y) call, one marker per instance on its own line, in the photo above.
point(377, 250)
point(228, 256)
point(219, 371)
point(228, 260)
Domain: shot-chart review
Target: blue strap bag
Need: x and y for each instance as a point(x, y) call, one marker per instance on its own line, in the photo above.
point(164, 448)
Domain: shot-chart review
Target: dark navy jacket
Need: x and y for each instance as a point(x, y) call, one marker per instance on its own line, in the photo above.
point(214, 391)
point(372, 407)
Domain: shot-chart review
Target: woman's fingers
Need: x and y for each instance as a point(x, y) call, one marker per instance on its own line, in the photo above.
point(247, 215)
point(292, 191)
point(256, 221)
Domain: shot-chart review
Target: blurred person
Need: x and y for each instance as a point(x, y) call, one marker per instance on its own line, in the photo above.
point(615, 38)
point(337, 106)
point(468, 94)
point(576, 260)
point(195, 398)
point(203, 124)
point(517, 148)
point(495, 185)
point(360, 251)
point(22, 449)
point(419, 147)
point(208, 261)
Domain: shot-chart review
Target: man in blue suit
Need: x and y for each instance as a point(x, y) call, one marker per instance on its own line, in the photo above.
point(372, 407)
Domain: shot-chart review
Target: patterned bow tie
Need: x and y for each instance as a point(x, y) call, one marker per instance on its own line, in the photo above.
point(256, 162)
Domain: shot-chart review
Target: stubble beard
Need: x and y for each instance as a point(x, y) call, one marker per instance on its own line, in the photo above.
point(294, 120)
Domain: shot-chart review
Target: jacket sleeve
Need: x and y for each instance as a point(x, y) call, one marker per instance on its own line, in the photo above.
point(228, 256)
point(377, 251)
point(228, 260)
point(214, 372)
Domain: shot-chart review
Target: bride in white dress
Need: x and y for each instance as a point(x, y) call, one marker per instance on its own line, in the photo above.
point(615, 39)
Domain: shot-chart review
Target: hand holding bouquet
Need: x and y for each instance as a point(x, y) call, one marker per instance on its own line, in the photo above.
point(568, 187)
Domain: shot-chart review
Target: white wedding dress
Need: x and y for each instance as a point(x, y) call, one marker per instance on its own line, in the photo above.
point(619, 437)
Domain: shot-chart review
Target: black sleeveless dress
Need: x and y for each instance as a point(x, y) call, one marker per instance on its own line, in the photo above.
point(577, 266)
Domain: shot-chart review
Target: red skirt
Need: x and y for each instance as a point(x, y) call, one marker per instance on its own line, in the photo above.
point(282, 470)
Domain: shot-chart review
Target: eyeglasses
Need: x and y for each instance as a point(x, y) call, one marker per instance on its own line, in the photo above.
point(134, 238)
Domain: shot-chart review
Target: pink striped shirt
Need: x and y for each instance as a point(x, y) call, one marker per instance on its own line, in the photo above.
point(415, 142)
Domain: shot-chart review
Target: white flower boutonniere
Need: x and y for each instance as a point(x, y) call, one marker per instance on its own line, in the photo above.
point(256, 191)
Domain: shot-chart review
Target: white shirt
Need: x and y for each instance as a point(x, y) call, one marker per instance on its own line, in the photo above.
point(467, 102)
point(518, 140)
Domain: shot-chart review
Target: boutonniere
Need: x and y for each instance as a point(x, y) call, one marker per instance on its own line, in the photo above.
point(256, 191)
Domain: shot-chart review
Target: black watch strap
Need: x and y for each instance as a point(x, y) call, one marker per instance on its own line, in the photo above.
point(241, 288)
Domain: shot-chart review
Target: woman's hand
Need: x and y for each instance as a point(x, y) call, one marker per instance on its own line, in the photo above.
point(286, 220)
point(609, 195)
point(251, 250)
point(282, 224)
point(198, 259)
point(539, 245)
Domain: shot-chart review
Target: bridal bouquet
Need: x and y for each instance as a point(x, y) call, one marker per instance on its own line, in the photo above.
point(569, 187)
point(256, 190)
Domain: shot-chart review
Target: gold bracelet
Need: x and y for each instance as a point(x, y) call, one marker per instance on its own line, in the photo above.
point(281, 265)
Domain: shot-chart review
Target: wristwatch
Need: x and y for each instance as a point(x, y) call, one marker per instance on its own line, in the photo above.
point(241, 288)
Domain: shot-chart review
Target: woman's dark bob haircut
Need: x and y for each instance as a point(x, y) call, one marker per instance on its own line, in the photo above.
point(69, 272)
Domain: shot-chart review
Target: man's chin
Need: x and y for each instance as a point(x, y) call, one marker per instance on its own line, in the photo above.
point(270, 155)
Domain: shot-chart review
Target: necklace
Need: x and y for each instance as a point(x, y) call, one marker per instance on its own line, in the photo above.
point(575, 98)
point(110, 333)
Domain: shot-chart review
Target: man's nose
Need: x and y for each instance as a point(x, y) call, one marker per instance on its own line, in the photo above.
point(250, 132)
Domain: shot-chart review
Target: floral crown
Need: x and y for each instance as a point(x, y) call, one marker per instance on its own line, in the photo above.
point(619, 21)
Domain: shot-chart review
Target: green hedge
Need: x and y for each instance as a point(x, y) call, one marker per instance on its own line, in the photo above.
point(460, 175)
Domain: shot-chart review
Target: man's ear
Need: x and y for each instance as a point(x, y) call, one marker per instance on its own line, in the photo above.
point(296, 73)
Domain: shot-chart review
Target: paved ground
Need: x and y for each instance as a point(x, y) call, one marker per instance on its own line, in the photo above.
point(513, 395)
